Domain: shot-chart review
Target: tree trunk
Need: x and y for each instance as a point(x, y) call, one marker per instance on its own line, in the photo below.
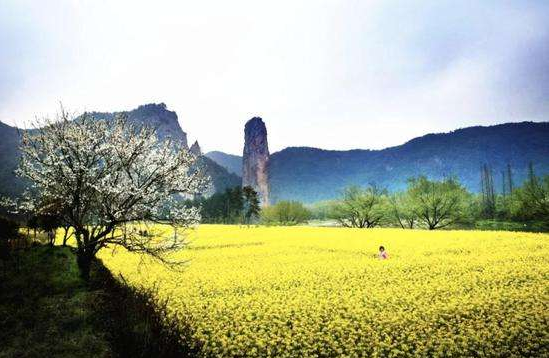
point(84, 260)
point(85, 253)
point(65, 237)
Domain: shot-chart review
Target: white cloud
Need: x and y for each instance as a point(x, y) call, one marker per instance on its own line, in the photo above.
point(333, 74)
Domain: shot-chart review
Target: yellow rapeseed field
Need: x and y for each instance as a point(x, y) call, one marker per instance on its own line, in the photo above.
point(305, 291)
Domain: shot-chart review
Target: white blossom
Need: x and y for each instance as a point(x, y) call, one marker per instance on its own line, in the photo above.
point(101, 175)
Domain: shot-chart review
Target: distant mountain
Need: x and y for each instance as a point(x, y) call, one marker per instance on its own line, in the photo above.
point(156, 115)
point(221, 178)
point(311, 174)
point(9, 158)
point(233, 163)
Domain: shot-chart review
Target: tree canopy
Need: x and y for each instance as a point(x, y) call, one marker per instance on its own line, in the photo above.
point(107, 173)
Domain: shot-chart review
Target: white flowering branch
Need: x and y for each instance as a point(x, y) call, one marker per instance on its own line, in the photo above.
point(100, 175)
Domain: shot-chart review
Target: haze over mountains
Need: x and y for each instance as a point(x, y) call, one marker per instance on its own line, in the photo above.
point(155, 115)
point(312, 174)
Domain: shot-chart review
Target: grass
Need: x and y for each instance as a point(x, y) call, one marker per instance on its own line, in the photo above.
point(47, 310)
point(44, 308)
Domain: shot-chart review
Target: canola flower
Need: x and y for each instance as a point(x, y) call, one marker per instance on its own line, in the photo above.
point(320, 292)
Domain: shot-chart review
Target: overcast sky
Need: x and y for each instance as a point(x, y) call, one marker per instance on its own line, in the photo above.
point(329, 74)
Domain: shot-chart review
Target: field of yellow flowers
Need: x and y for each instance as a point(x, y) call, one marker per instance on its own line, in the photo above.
point(304, 291)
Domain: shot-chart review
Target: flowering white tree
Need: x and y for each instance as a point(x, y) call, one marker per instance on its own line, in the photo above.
point(99, 175)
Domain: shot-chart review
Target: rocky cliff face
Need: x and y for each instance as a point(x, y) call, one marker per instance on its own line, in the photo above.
point(256, 158)
point(195, 149)
point(155, 115)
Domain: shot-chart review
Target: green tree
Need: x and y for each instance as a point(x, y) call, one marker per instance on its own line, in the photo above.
point(402, 210)
point(321, 210)
point(531, 201)
point(234, 205)
point(438, 204)
point(361, 208)
point(9, 229)
point(33, 224)
point(488, 192)
point(285, 213)
point(251, 204)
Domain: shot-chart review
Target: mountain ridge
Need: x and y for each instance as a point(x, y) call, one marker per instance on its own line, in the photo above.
point(165, 121)
point(311, 174)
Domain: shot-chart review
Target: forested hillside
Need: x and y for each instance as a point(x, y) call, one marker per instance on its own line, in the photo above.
point(310, 174)
point(231, 162)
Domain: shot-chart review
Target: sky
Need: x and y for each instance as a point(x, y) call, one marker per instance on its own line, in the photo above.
point(327, 74)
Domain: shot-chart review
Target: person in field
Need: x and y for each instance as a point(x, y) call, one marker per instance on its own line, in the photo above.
point(383, 255)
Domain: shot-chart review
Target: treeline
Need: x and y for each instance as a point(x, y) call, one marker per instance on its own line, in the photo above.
point(435, 204)
point(529, 202)
point(430, 204)
point(233, 206)
point(241, 206)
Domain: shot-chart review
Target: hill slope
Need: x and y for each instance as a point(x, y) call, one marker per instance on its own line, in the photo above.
point(156, 115)
point(311, 174)
point(9, 157)
point(231, 162)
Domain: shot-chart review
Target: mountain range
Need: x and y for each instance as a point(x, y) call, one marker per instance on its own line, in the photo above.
point(155, 115)
point(312, 174)
point(231, 162)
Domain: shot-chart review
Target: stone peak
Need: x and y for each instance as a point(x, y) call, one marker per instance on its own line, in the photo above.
point(153, 106)
point(195, 148)
point(255, 123)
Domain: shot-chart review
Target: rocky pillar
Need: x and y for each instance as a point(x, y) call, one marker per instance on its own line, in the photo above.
point(256, 159)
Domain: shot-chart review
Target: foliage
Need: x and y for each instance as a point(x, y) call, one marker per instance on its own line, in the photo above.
point(9, 232)
point(361, 208)
point(9, 229)
point(285, 213)
point(321, 210)
point(402, 210)
point(234, 205)
point(532, 200)
point(108, 173)
point(306, 291)
point(527, 226)
point(438, 204)
point(251, 208)
point(488, 193)
point(48, 223)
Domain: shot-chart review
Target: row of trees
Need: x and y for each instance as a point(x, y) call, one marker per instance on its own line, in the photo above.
point(524, 203)
point(426, 203)
point(438, 204)
point(241, 206)
point(233, 206)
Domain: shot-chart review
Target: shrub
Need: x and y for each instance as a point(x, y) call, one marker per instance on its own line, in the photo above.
point(285, 213)
point(9, 229)
point(137, 321)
